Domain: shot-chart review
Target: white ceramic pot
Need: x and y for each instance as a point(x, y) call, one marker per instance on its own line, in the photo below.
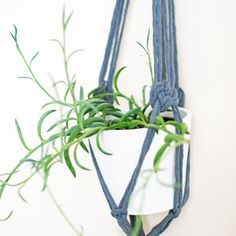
point(149, 197)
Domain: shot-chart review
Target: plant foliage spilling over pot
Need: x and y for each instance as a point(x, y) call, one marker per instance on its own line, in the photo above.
point(82, 115)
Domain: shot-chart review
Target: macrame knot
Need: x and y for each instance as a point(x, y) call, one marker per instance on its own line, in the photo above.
point(163, 94)
point(119, 213)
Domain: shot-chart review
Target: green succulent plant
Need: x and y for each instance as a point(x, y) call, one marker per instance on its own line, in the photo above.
point(83, 116)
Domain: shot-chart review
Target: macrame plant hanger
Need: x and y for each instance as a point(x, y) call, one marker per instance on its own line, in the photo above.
point(165, 93)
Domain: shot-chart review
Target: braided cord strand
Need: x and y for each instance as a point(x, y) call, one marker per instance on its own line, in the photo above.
point(116, 212)
point(172, 75)
point(165, 93)
point(110, 43)
point(174, 50)
point(117, 45)
point(113, 45)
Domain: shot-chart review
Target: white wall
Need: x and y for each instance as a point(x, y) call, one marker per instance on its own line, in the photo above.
point(207, 49)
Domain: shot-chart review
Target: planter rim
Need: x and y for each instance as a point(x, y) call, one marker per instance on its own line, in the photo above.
point(185, 113)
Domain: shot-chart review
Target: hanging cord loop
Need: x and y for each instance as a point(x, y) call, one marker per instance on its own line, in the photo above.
point(113, 47)
point(119, 213)
point(165, 93)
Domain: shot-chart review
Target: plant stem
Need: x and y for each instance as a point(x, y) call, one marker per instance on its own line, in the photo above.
point(32, 73)
point(62, 212)
point(67, 71)
point(15, 169)
point(21, 182)
point(150, 65)
point(167, 131)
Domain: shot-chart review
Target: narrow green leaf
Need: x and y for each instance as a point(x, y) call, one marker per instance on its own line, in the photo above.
point(135, 124)
point(74, 133)
point(142, 116)
point(94, 101)
point(132, 99)
point(144, 49)
point(45, 179)
point(67, 20)
point(68, 116)
point(184, 129)
point(169, 139)
point(173, 138)
point(77, 159)
point(21, 136)
point(69, 130)
point(58, 103)
point(160, 120)
point(114, 121)
point(14, 35)
point(87, 107)
point(81, 93)
point(131, 105)
point(25, 77)
point(73, 53)
point(92, 132)
point(144, 95)
point(174, 123)
point(99, 144)
point(98, 90)
point(40, 123)
point(116, 99)
point(68, 162)
point(116, 113)
point(81, 117)
point(97, 124)
point(32, 161)
point(59, 43)
point(91, 120)
point(57, 135)
point(60, 122)
point(46, 165)
point(70, 87)
point(117, 75)
point(6, 218)
point(103, 95)
point(101, 107)
point(148, 40)
point(21, 195)
point(120, 125)
point(54, 84)
point(82, 144)
point(33, 58)
point(158, 157)
point(6, 174)
point(129, 113)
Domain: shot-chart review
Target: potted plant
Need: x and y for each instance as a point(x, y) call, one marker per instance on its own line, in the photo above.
point(114, 135)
